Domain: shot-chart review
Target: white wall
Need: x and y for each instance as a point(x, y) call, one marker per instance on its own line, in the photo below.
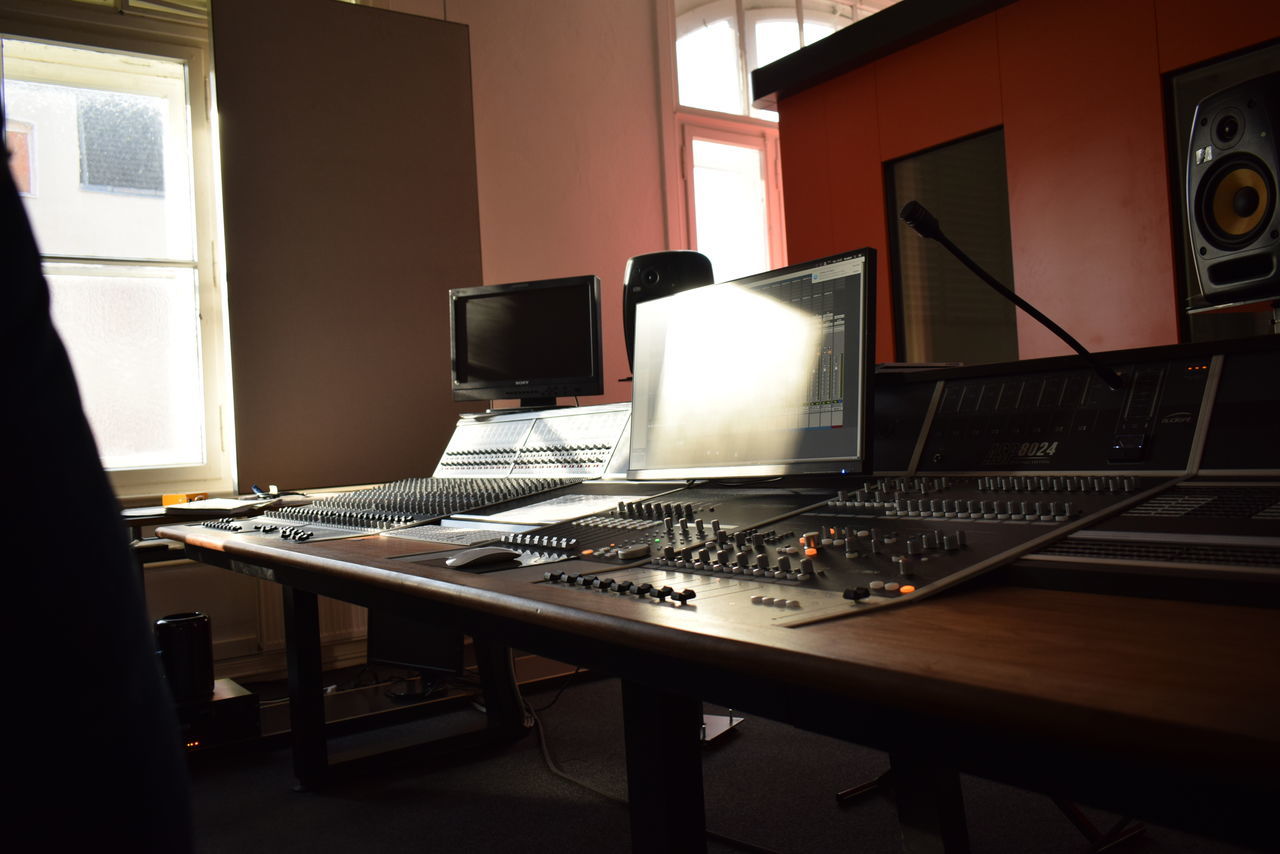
point(568, 146)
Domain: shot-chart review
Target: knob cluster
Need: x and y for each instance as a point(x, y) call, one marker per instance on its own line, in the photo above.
point(563, 456)
point(343, 516)
point(227, 523)
point(474, 458)
point(604, 584)
point(616, 523)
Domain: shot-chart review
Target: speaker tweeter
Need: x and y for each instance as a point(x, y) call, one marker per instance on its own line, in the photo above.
point(1232, 166)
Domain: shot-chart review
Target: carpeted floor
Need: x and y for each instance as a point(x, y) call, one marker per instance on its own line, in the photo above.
point(767, 785)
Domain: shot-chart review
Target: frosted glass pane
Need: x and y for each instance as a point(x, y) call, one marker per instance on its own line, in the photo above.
point(775, 39)
point(707, 67)
point(729, 203)
point(107, 150)
point(134, 341)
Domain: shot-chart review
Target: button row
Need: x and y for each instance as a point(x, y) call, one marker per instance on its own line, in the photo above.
point(540, 540)
point(775, 601)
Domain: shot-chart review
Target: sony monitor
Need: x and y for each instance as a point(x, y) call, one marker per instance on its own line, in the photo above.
point(534, 341)
point(763, 376)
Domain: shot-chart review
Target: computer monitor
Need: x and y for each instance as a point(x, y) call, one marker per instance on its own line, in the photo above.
point(535, 341)
point(764, 376)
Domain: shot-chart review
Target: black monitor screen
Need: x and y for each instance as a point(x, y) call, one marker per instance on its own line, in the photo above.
point(529, 340)
point(763, 376)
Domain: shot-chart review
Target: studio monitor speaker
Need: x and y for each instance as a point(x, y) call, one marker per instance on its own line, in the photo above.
point(659, 274)
point(1232, 166)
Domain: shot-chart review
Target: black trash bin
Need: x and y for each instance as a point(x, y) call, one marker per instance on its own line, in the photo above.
point(185, 643)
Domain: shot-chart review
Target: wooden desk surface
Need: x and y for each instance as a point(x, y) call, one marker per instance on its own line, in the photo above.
point(1041, 688)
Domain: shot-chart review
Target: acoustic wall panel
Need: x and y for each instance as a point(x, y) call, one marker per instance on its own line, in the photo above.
point(349, 190)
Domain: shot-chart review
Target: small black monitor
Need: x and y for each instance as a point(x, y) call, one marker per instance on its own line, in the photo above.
point(534, 341)
point(763, 376)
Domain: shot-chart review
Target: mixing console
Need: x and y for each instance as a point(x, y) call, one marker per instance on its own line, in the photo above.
point(400, 504)
point(492, 460)
point(579, 443)
point(1040, 470)
point(890, 539)
point(675, 520)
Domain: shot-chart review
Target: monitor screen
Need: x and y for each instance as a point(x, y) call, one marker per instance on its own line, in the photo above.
point(535, 341)
point(759, 377)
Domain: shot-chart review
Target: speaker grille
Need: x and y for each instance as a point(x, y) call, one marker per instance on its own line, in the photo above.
point(1217, 555)
point(1213, 503)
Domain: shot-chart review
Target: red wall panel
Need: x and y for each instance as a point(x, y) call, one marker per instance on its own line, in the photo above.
point(1191, 31)
point(1077, 86)
point(803, 148)
point(834, 181)
point(1088, 188)
point(941, 89)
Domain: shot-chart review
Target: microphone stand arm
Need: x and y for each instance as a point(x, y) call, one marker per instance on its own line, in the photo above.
point(931, 229)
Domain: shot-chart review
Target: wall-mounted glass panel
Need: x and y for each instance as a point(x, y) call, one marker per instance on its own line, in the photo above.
point(943, 311)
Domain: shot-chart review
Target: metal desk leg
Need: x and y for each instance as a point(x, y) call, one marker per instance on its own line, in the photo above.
point(664, 771)
point(930, 806)
point(306, 686)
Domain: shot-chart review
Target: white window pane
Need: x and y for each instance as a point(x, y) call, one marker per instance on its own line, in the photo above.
point(707, 65)
point(775, 38)
point(107, 137)
point(729, 201)
point(134, 342)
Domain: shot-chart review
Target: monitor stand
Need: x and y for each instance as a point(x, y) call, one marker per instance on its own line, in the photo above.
point(529, 404)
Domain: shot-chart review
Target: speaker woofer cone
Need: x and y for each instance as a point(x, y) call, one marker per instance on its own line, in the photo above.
point(1235, 201)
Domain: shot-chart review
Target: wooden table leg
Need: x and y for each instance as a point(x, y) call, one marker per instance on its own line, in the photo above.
point(930, 806)
point(664, 771)
point(306, 687)
point(503, 704)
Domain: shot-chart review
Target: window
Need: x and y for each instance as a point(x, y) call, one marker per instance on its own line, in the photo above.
point(944, 312)
point(725, 196)
point(117, 134)
point(733, 204)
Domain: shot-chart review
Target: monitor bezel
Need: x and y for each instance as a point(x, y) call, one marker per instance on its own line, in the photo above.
point(532, 391)
point(858, 465)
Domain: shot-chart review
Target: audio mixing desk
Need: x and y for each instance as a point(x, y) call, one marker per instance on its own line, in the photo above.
point(957, 608)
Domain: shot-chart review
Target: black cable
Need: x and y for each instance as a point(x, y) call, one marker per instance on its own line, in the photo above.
point(920, 220)
point(568, 680)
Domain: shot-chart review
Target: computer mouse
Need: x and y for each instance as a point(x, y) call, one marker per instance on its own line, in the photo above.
point(481, 556)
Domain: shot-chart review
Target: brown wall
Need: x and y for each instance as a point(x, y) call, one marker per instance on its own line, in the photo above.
point(1077, 87)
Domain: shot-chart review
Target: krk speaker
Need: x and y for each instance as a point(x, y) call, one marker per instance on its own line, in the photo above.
point(1232, 167)
point(659, 274)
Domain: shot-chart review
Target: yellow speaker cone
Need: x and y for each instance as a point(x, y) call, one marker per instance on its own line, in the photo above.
point(1239, 201)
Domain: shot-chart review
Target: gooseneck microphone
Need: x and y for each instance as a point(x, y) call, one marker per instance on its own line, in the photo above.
point(925, 224)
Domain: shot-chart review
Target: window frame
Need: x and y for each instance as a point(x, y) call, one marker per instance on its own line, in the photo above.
point(102, 28)
point(677, 161)
point(757, 136)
